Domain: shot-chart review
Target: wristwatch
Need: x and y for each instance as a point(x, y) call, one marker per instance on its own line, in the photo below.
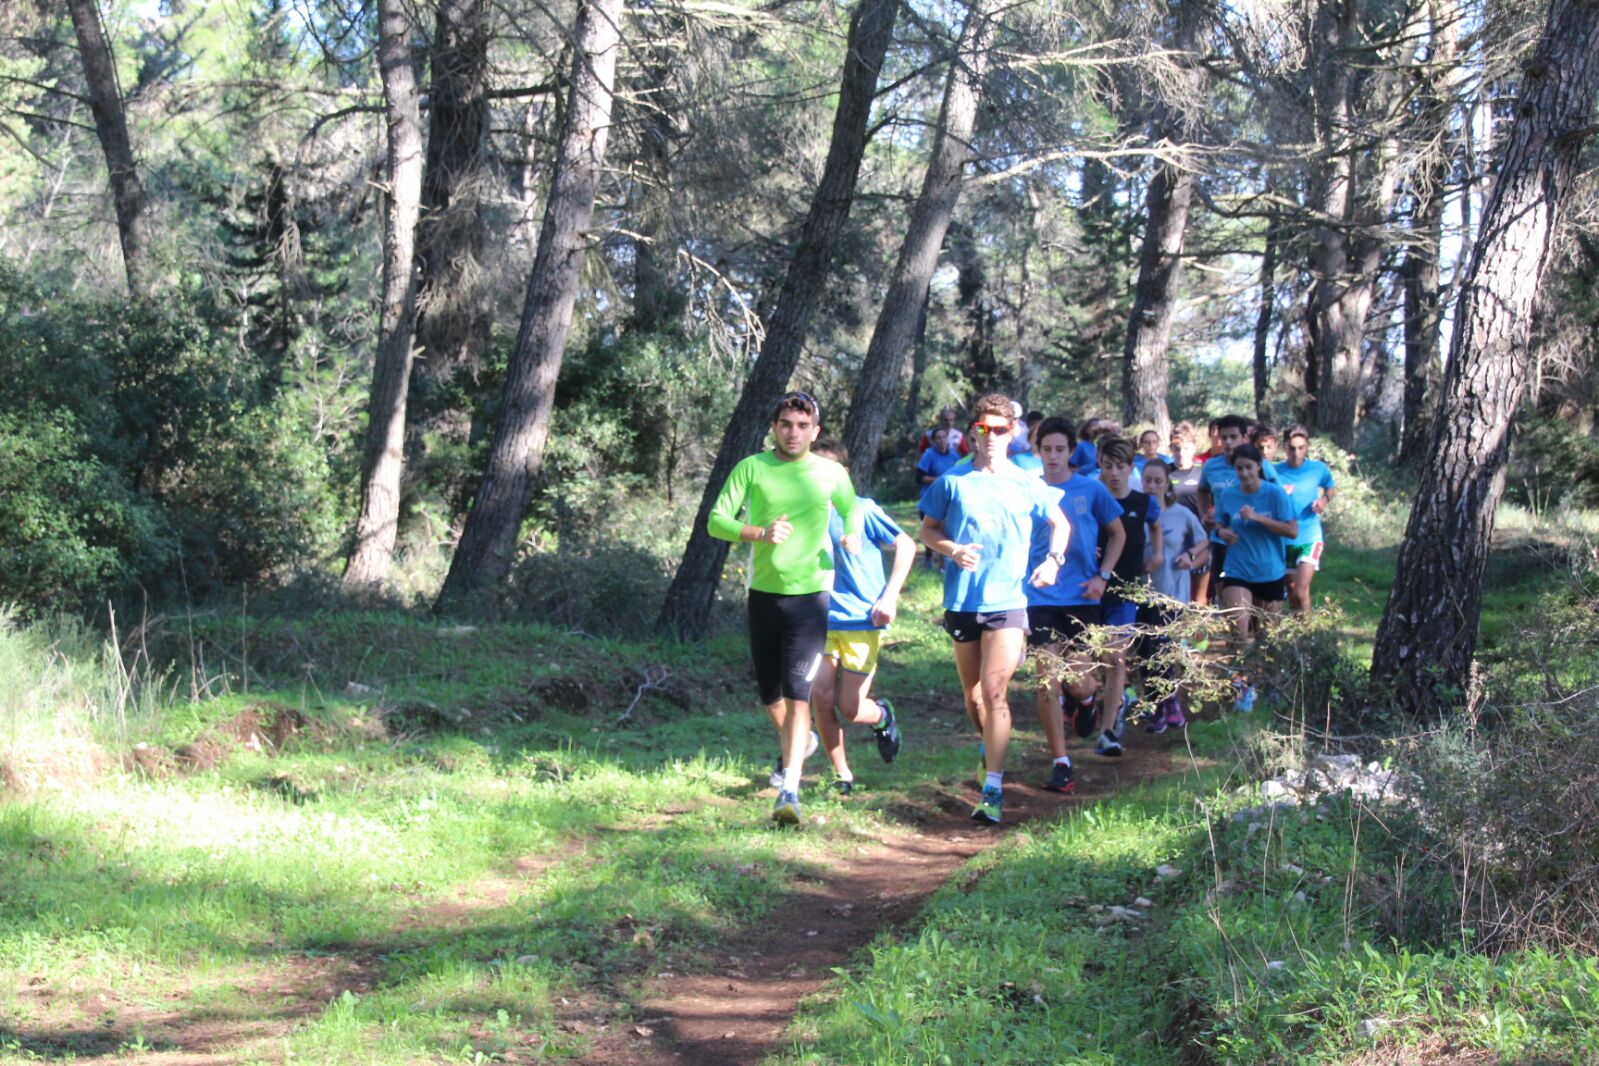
point(1105, 576)
point(1059, 558)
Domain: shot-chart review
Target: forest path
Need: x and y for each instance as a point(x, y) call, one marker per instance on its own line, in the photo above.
point(739, 1013)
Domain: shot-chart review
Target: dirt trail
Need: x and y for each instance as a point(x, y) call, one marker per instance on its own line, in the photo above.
point(739, 1014)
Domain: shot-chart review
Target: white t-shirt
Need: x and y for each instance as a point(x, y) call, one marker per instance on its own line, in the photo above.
point(1180, 531)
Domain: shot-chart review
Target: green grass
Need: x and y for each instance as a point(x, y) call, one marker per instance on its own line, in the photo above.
point(460, 834)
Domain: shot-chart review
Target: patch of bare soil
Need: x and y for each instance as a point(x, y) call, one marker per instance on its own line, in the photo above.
point(740, 1013)
point(46, 765)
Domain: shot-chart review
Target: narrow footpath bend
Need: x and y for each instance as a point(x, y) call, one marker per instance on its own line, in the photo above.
point(739, 1014)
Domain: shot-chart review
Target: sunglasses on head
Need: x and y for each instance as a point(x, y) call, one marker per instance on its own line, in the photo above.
point(983, 429)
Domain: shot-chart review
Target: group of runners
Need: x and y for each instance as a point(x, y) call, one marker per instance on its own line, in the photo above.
point(1048, 533)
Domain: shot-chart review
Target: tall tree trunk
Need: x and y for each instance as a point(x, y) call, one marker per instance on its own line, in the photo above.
point(1268, 302)
point(1160, 269)
point(384, 458)
point(488, 541)
point(1160, 259)
point(1419, 272)
point(1428, 635)
point(878, 383)
point(453, 312)
point(655, 305)
point(688, 602)
point(110, 122)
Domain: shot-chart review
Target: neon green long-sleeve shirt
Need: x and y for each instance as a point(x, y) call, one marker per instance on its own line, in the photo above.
point(803, 489)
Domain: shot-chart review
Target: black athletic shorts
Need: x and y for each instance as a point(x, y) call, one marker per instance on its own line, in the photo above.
point(1060, 625)
point(1218, 558)
point(967, 626)
point(1262, 591)
point(787, 634)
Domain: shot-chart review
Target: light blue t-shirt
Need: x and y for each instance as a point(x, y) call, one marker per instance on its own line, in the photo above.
point(1085, 458)
point(1257, 555)
point(937, 463)
point(859, 579)
point(1029, 462)
point(1303, 485)
point(996, 510)
point(1217, 476)
point(1180, 531)
point(1088, 506)
point(1140, 460)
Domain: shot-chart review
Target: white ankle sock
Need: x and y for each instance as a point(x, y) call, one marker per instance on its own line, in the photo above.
point(994, 779)
point(791, 779)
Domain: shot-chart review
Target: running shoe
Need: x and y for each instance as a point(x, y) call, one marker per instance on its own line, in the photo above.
point(1060, 778)
point(776, 780)
point(1108, 745)
point(1160, 721)
point(988, 808)
point(1119, 726)
point(843, 787)
point(1084, 715)
point(888, 738)
point(786, 811)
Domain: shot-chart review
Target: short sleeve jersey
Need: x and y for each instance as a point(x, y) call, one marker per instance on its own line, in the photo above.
point(1257, 555)
point(996, 511)
point(1088, 506)
point(1141, 460)
point(803, 489)
point(937, 463)
point(1180, 531)
point(1139, 511)
point(1185, 483)
point(1303, 485)
point(1028, 463)
point(1085, 458)
point(859, 579)
point(1217, 476)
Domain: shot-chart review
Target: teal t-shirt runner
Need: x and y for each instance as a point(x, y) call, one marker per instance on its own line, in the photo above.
point(859, 579)
point(1304, 483)
point(1257, 554)
point(806, 490)
point(1089, 507)
point(1217, 476)
point(996, 510)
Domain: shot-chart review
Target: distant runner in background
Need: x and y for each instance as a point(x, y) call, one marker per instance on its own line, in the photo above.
point(946, 421)
point(1213, 448)
point(1254, 519)
point(1149, 451)
point(1185, 468)
point(1184, 548)
point(1141, 524)
point(864, 603)
point(983, 520)
point(786, 494)
point(1310, 488)
point(1217, 475)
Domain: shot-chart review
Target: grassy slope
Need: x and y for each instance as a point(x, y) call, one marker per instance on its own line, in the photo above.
point(475, 886)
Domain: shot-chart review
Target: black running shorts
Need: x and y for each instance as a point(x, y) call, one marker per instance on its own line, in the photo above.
point(1060, 625)
point(787, 634)
point(1262, 591)
point(967, 626)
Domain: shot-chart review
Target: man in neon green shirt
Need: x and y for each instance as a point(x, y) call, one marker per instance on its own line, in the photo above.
point(786, 494)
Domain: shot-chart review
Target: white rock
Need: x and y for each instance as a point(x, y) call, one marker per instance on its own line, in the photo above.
point(1164, 871)
point(1369, 1028)
point(1301, 899)
point(355, 688)
point(1144, 902)
point(1273, 790)
point(1276, 964)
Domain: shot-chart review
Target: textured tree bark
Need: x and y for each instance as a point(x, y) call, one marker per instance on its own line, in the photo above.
point(384, 457)
point(1268, 301)
point(1160, 269)
point(1428, 634)
point(895, 332)
point(110, 123)
point(453, 312)
point(688, 602)
point(1419, 272)
point(488, 541)
point(1160, 259)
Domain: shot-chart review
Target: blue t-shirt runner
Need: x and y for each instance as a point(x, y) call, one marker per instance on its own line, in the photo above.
point(1088, 506)
point(859, 579)
point(1217, 476)
point(1304, 483)
point(1257, 555)
point(997, 511)
point(937, 463)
